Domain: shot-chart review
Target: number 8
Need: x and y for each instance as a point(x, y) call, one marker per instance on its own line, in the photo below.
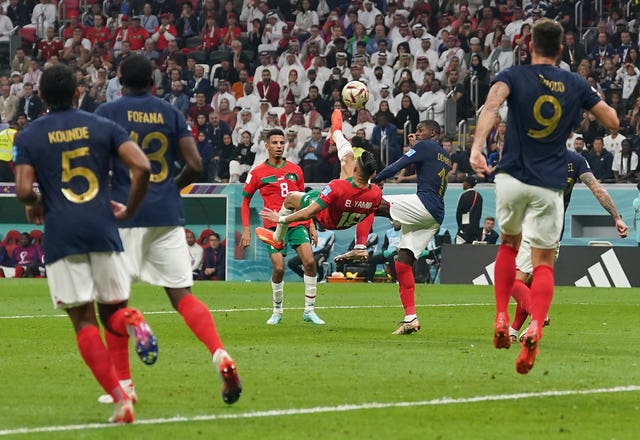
point(284, 189)
point(551, 123)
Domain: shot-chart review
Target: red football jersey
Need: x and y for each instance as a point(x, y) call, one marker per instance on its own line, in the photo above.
point(345, 204)
point(274, 184)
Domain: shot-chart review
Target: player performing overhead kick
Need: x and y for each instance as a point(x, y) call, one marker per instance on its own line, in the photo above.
point(545, 104)
point(341, 204)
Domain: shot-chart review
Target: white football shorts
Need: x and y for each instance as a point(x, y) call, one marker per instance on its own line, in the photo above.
point(523, 259)
point(418, 225)
point(158, 255)
point(84, 278)
point(538, 210)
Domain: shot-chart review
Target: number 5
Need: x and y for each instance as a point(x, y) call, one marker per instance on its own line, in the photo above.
point(69, 173)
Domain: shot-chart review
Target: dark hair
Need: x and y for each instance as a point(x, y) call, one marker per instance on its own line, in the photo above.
point(274, 132)
point(368, 164)
point(547, 37)
point(490, 218)
point(136, 72)
point(58, 87)
point(430, 124)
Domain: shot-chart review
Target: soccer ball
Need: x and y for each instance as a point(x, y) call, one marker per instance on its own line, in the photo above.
point(355, 94)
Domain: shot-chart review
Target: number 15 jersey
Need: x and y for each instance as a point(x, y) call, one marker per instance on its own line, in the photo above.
point(545, 104)
point(346, 204)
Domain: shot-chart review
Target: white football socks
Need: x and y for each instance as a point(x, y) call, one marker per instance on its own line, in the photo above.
point(310, 289)
point(278, 296)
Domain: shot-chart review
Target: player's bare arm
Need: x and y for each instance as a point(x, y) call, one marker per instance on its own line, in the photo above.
point(245, 240)
point(134, 158)
point(606, 115)
point(488, 116)
point(313, 234)
point(298, 216)
point(25, 178)
point(193, 162)
point(606, 201)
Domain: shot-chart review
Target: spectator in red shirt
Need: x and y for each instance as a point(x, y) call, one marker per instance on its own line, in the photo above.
point(231, 31)
point(164, 33)
point(98, 33)
point(50, 45)
point(121, 34)
point(73, 23)
point(210, 34)
point(137, 35)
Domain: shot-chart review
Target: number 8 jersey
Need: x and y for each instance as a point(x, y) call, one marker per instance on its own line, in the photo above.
point(274, 183)
point(545, 104)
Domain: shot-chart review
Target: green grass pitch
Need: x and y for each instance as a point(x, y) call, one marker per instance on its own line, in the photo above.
point(349, 379)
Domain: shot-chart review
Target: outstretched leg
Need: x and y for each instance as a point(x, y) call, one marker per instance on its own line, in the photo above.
point(345, 152)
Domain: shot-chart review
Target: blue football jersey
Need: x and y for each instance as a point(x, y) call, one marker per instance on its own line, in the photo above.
point(71, 152)
point(432, 164)
point(156, 126)
point(545, 104)
point(577, 166)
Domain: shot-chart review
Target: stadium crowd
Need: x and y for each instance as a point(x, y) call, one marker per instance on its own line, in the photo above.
point(237, 68)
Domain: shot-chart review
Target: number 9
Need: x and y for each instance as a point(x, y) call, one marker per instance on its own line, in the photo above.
point(551, 123)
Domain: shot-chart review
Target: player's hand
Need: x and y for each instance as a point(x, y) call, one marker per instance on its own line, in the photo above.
point(479, 163)
point(120, 211)
point(35, 213)
point(622, 228)
point(412, 139)
point(313, 236)
point(270, 215)
point(245, 240)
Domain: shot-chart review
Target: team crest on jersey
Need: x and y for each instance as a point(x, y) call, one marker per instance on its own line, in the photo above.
point(291, 176)
point(410, 153)
point(326, 190)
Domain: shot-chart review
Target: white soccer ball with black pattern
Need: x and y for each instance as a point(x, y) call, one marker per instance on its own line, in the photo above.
point(355, 94)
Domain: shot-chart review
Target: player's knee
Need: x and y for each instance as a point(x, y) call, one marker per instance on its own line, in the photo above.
point(310, 267)
point(278, 270)
point(292, 200)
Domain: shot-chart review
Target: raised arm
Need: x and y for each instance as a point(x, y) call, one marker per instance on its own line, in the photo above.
point(488, 116)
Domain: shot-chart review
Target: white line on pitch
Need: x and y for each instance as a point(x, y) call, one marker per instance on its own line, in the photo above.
point(268, 309)
point(328, 409)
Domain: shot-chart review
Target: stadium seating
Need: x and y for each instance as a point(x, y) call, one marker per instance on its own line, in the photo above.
point(11, 240)
point(203, 239)
point(36, 236)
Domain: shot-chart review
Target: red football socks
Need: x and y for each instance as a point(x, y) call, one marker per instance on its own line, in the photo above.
point(505, 275)
point(119, 351)
point(522, 295)
point(197, 316)
point(96, 356)
point(541, 292)
point(404, 274)
point(362, 230)
point(117, 339)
